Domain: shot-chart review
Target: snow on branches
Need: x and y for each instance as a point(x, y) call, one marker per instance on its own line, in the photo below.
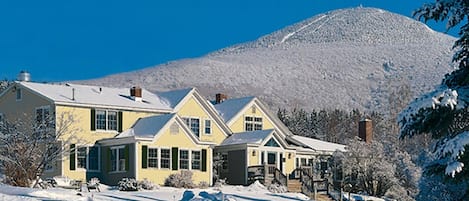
point(449, 98)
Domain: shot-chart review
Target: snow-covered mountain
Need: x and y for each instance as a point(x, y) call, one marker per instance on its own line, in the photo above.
point(345, 59)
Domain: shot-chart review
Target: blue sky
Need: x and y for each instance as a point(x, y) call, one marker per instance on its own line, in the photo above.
point(74, 40)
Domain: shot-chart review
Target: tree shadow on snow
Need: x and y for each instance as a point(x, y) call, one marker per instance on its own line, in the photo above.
point(148, 197)
point(188, 195)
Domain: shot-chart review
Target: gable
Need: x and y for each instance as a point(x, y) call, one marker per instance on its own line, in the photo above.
point(174, 135)
point(192, 107)
point(12, 108)
point(237, 124)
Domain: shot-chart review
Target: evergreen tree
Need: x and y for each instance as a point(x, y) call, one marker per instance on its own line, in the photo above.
point(444, 113)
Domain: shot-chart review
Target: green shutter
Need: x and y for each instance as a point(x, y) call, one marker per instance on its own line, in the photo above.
point(126, 157)
point(175, 158)
point(144, 156)
point(108, 161)
point(204, 160)
point(72, 157)
point(119, 120)
point(93, 119)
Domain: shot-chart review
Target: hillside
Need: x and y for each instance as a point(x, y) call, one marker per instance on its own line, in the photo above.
point(344, 59)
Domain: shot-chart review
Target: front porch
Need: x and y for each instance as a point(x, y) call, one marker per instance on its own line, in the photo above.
point(299, 180)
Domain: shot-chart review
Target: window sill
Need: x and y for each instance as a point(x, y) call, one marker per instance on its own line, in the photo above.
point(117, 172)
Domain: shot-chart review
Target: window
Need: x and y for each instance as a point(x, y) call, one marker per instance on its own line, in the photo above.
point(19, 94)
point(81, 157)
point(112, 120)
point(106, 120)
point(272, 143)
point(195, 160)
point(183, 159)
point(117, 159)
point(224, 159)
point(87, 158)
point(153, 158)
point(194, 125)
point(165, 158)
point(253, 123)
point(208, 127)
point(43, 116)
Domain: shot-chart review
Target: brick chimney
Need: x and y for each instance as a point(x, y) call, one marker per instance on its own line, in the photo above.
point(219, 98)
point(136, 93)
point(365, 130)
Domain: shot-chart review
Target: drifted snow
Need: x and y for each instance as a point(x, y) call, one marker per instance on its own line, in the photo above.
point(255, 191)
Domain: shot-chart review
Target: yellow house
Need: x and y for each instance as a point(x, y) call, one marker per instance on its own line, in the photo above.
point(260, 138)
point(160, 145)
point(93, 112)
point(131, 132)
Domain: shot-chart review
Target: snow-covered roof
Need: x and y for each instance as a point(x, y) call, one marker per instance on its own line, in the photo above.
point(147, 127)
point(318, 145)
point(250, 137)
point(229, 108)
point(96, 96)
point(173, 98)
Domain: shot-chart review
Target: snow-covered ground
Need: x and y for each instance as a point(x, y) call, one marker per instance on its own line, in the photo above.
point(255, 192)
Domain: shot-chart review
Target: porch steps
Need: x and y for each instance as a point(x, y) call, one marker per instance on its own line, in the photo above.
point(294, 186)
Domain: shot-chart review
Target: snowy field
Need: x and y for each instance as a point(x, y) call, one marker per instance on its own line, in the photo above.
point(255, 192)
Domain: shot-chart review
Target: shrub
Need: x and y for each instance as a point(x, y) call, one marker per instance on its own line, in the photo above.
point(203, 184)
point(128, 184)
point(147, 185)
point(180, 180)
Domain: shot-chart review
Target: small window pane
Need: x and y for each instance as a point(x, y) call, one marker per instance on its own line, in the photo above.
point(165, 158)
point(81, 157)
point(208, 127)
point(112, 120)
point(183, 159)
point(101, 119)
point(153, 158)
point(196, 160)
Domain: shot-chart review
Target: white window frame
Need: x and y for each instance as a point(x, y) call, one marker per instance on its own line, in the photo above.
point(191, 159)
point(160, 157)
point(87, 158)
point(253, 122)
point(106, 120)
point(157, 157)
point(188, 159)
point(188, 121)
point(117, 159)
point(209, 127)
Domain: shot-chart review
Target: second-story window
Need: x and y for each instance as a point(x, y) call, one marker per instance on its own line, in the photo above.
point(208, 127)
point(106, 120)
point(194, 125)
point(252, 123)
point(19, 94)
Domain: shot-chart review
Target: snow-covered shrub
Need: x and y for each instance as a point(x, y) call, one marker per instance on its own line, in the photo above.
point(147, 185)
point(180, 180)
point(277, 188)
point(220, 183)
point(128, 184)
point(203, 184)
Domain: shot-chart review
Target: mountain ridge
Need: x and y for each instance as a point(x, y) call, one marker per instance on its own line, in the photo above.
point(341, 59)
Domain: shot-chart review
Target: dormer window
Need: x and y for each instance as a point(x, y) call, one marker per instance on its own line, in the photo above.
point(194, 125)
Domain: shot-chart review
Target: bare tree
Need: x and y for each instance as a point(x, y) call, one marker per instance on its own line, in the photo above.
point(29, 145)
